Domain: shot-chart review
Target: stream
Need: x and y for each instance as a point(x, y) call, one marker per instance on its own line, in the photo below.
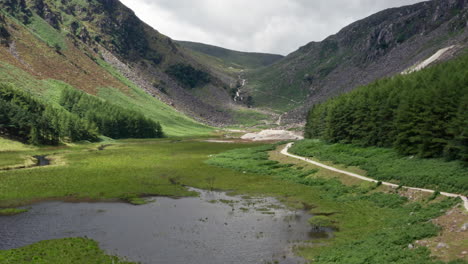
point(42, 161)
point(212, 228)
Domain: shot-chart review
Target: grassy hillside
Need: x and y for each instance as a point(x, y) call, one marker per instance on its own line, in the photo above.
point(10, 145)
point(232, 58)
point(68, 40)
point(174, 123)
point(42, 61)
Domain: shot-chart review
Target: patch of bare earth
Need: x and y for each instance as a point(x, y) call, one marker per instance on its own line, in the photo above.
point(272, 135)
point(452, 241)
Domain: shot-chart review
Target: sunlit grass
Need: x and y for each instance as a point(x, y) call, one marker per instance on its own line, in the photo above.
point(61, 251)
point(130, 169)
point(10, 145)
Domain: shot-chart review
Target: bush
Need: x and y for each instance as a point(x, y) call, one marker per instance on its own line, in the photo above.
point(188, 76)
point(320, 221)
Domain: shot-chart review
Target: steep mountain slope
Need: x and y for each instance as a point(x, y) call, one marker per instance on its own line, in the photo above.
point(232, 58)
point(381, 45)
point(101, 47)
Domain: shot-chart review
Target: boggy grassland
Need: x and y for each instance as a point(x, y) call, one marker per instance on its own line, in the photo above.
point(372, 225)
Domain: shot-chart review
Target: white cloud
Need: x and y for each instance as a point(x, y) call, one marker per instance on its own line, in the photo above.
point(276, 26)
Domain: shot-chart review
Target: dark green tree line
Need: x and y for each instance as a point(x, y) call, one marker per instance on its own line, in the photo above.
point(188, 76)
point(30, 120)
point(424, 113)
point(112, 120)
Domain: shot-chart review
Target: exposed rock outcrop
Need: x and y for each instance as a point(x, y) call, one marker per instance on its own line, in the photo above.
point(378, 46)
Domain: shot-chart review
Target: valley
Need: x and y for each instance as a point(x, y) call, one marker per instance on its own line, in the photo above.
point(119, 144)
point(163, 168)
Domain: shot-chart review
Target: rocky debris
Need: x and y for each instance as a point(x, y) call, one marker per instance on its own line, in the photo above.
point(464, 227)
point(130, 74)
point(434, 58)
point(442, 245)
point(272, 135)
point(184, 101)
point(410, 246)
point(13, 51)
point(422, 243)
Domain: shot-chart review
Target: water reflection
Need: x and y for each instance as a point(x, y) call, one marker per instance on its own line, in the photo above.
point(212, 228)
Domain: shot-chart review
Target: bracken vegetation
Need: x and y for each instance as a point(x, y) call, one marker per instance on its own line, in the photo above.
point(423, 113)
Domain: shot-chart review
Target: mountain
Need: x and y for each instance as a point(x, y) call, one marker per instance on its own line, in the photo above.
point(102, 48)
point(423, 113)
point(232, 58)
point(382, 45)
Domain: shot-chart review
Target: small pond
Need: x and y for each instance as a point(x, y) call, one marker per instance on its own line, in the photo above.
point(42, 161)
point(210, 229)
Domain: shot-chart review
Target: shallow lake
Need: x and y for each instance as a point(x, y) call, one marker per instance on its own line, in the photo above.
point(212, 228)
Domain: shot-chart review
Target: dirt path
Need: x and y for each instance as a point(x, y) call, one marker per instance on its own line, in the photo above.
point(285, 152)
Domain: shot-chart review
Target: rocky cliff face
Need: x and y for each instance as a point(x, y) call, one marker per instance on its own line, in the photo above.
point(381, 45)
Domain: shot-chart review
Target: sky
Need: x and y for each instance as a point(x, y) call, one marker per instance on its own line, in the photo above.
point(271, 26)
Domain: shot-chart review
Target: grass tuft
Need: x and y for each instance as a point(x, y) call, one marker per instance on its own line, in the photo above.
point(12, 211)
point(60, 251)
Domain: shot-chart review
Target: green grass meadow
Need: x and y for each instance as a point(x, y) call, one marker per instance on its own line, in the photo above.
point(60, 251)
point(365, 220)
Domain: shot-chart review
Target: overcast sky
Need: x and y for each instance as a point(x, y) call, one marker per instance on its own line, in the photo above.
point(274, 26)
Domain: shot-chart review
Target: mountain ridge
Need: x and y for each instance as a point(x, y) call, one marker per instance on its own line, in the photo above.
point(378, 46)
point(234, 58)
point(95, 45)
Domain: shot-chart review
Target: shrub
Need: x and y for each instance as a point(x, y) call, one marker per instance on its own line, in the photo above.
point(188, 76)
point(320, 221)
